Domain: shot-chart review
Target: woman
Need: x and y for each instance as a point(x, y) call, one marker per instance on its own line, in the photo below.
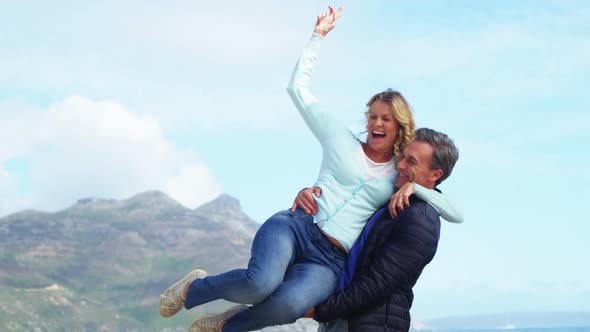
point(296, 259)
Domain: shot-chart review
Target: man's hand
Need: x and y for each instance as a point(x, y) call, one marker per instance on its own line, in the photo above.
point(401, 199)
point(305, 200)
point(327, 21)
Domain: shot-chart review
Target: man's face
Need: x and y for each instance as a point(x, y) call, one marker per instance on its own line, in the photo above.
point(414, 165)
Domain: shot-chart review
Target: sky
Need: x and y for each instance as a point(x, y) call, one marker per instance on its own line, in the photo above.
point(112, 98)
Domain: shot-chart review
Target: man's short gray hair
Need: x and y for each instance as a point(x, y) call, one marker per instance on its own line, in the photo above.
point(445, 153)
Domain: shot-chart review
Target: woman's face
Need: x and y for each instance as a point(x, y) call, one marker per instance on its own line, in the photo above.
point(382, 127)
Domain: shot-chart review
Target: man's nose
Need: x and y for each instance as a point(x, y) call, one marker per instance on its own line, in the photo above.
point(401, 164)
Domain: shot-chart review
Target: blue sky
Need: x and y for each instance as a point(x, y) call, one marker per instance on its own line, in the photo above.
point(112, 98)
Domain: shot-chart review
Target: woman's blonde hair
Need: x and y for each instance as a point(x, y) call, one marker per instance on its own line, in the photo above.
point(402, 112)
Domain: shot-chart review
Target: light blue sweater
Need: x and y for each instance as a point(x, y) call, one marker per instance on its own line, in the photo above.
point(347, 200)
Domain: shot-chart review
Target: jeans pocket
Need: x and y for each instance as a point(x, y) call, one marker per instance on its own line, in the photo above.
point(300, 214)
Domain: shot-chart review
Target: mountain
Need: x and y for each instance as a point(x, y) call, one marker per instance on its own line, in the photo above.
point(101, 264)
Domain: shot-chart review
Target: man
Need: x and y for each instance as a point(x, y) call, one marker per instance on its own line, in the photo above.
point(386, 261)
point(395, 250)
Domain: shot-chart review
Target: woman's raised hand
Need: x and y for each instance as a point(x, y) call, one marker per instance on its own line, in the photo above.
point(327, 21)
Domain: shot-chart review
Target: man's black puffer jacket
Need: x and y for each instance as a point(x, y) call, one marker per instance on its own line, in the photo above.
point(396, 251)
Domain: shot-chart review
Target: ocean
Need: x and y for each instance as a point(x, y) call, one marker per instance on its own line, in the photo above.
point(533, 329)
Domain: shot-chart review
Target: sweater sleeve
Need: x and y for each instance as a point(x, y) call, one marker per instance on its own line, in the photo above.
point(443, 204)
point(307, 104)
point(410, 246)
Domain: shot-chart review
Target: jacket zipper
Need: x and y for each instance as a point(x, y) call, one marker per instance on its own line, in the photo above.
point(386, 313)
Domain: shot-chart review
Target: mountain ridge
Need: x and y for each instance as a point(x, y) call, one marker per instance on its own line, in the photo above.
point(142, 199)
point(110, 255)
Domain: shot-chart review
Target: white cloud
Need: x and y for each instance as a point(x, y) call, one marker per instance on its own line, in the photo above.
point(167, 60)
point(192, 184)
point(80, 148)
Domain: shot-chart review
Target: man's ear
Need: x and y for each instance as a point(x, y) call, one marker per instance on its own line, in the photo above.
point(436, 174)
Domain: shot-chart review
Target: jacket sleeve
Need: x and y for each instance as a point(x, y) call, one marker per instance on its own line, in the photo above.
point(445, 205)
point(399, 261)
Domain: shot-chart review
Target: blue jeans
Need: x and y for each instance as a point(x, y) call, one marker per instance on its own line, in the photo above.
point(293, 267)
